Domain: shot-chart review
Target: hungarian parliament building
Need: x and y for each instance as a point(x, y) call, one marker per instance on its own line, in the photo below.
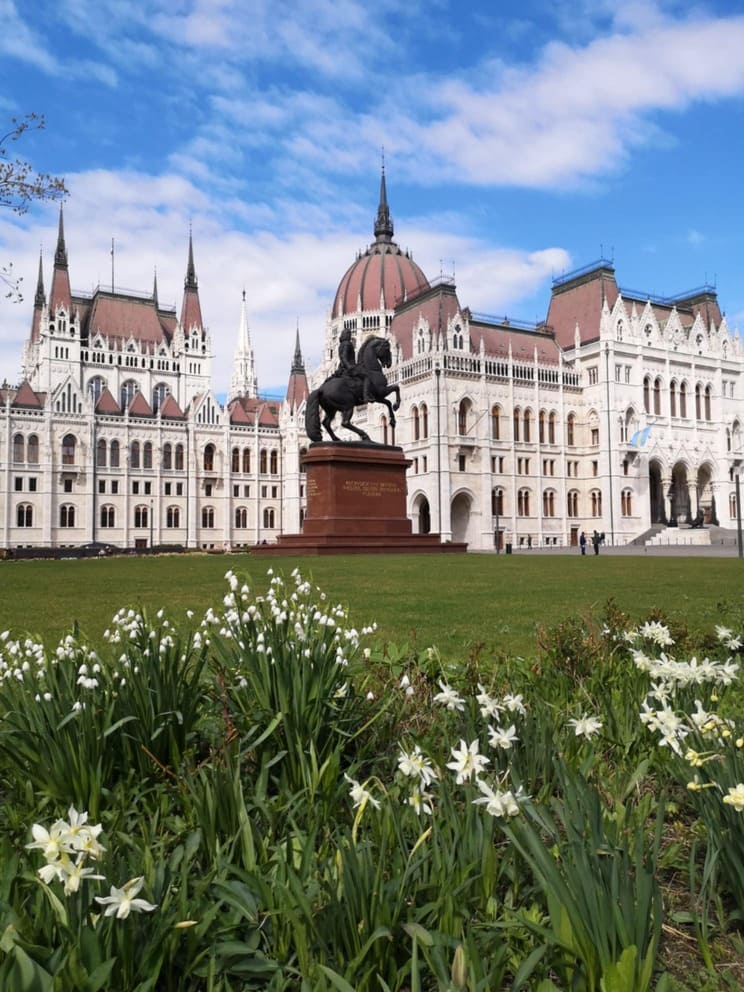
point(620, 413)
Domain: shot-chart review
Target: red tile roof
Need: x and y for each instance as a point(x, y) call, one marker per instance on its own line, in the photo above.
point(297, 390)
point(27, 397)
point(139, 407)
point(579, 301)
point(124, 317)
point(170, 410)
point(107, 404)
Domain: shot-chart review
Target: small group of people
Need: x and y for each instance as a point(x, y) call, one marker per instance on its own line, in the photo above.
point(597, 539)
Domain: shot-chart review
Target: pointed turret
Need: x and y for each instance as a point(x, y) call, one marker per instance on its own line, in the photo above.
point(39, 303)
point(191, 308)
point(243, 381)
point(297, 391)
point(155, 289)
point(383, 221)
point(60, 295)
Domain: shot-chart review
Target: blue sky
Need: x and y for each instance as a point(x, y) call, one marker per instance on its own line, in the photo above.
point(521, 140)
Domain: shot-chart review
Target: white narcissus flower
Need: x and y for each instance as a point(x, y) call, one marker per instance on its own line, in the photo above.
point(51, 842)
point(415, 764)
point(497, 803)
point(468, 761)
point(500, 738)
point(449, 697)
point(359, 795)
point(122, 902)
point(586, 726)
point(515, 703)
point(489, 705)
point(735, 797)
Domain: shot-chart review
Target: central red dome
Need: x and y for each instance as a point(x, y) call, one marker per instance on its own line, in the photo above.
point(383, 276)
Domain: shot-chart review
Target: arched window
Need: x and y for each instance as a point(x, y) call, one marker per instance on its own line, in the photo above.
point(127, 393)
point(673, 398)
point(552, 420)
point(95, 387)
point(159, 395)
point(596, 498)
point(235, 461)
point(168, 456)
point(683, 399)
point(108, 516)
point(517, 416)
point(647, 394)
point(134, 454)
point(24, 515)
point(68, 449)
point(523, 503)
point(141, 517)
point(241, 517)
point(572, 503)
point(147, 455)
point(496, 422)
point(384, 426)
point(708, 392)
point(416, 424)
point(571, 430)
point(209, 458)
point(114, 454)
point(274, 462)
point(462, 417)
point(541, 427)
point(263, 461)
point(619, 330)
point(101, 452)
point(424, 420)
point(207, 517)
point(698, 402)
point(497, 502)
point(302, 453)
point(173, 517)
point(179, 458)
point(268, 518)
point(33, 450)
point(19, 449)
point(732, 506)
point(246, 460)
point(728, 439)
point(549, 503)
point(657, 396)
point(626, 502)
point(67, 515)
point(527, 425)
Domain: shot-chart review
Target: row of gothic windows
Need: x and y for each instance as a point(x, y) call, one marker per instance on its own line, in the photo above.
point(549, 503)
point(25, 450)
point(107, 516)
point(268, 461)
point(128, 391)
point(420, 417)
point(522, 424)
point(677, 398)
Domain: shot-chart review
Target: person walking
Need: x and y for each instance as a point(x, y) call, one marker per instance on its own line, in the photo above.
point(595, 542)
point(582, 542)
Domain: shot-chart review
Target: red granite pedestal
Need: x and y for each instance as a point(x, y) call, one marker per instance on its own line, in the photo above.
point(356, 504)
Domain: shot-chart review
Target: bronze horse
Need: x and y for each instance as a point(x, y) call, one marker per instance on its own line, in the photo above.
point(342, 393)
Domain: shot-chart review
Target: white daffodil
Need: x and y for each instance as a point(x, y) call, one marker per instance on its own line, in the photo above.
point(359, 795)
point(420, 801)
point(656, 632)
point(500, 738)
point(497, 803)
point(468, 761)
point(449, 697)
point(72, 874)
point(122, 902)
point(415, 764)
point(52, 842)
point(515, 703)
point(489, 705)
point(735, 798)
point(586, 726)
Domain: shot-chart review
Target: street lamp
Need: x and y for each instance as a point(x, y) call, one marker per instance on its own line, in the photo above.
point(150, 525)
point(737, 482)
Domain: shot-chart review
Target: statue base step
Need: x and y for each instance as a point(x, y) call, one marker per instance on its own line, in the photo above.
point(356, 504)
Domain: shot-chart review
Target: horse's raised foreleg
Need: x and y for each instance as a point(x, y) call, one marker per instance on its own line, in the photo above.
point(346, 422)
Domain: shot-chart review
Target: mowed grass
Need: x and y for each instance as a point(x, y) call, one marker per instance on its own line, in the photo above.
point(455, 602)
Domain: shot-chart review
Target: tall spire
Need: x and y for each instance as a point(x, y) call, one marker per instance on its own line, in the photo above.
point(155, 288)
point(40, 298)
point(190, 280)
point(60, 255)
point(297, 390)
point(383, 221)
point(243, 381)
point(60, 294)
point(191, 315)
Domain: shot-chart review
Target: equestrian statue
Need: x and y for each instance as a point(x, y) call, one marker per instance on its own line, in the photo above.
point(358, 379)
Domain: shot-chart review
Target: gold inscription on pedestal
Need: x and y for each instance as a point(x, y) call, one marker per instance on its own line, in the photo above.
point(371, 487)
point(312, 487)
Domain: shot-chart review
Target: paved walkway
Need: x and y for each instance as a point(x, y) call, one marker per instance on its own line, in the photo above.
point(725, 550)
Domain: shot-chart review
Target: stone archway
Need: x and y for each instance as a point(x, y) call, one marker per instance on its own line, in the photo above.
point(460, 516)
point(422, 515)
point(679, 496)
point(706, 500)
point(656, 494)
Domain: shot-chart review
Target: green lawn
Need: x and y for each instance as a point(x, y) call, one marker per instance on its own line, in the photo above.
point(452, 601)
